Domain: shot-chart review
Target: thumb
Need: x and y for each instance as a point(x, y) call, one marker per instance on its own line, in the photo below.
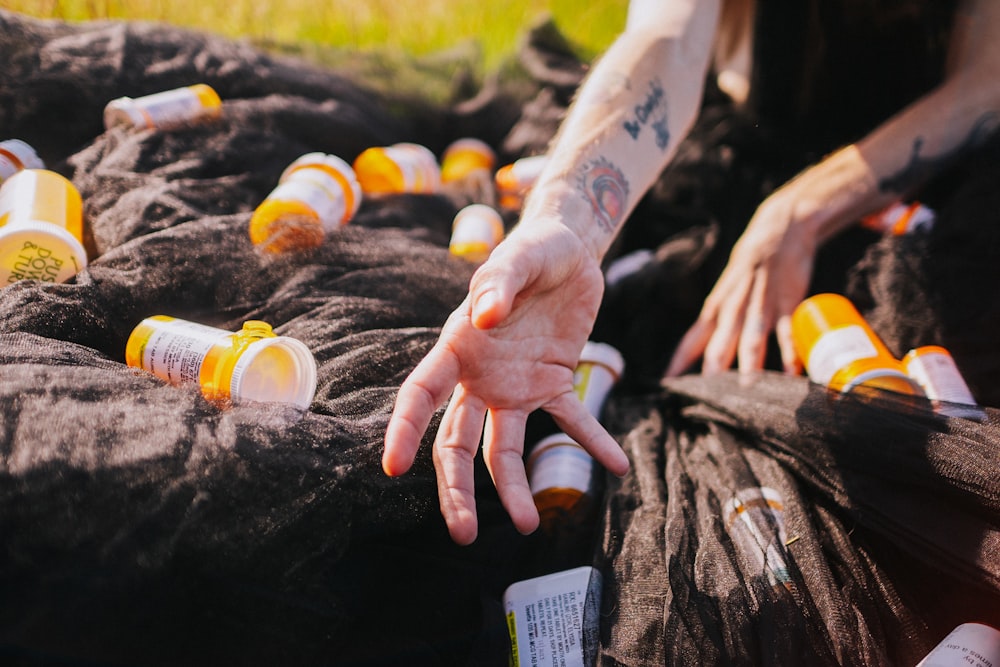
point(492, 292)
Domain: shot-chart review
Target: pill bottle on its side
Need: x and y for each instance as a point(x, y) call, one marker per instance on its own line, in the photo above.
point(253, 364)
point(164, 110)
point(475, 232)
point(316, 194)
point(560, 471)
point(899, 218)
point(841, 351)
point(41, 228)
point(968, 644)
point(515, 180)
point(464, 156)
point(934, 369)
point(399, 168)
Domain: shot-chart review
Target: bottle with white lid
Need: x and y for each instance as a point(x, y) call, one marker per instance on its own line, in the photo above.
point(561, 472)
point(841, 351)
point(400, 168)
point(755, 520)
point(16, 155)
point(164, 110)
point(41, 228)
point(465, 156)
point(253, 364)
point(554, 619)
point(316, 194)
point(515, 180)
point(901, 218)
point(934, 369)
point(968, 645)
point(475, 232)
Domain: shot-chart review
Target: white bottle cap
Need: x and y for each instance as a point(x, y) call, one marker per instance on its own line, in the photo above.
point(279, 369)
point(336, 167)
point(39, 250)
point(604, 354)
point(124, 111)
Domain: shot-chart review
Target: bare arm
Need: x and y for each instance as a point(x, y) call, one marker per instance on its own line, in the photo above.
point(512, 346)
point(770, 267)
point(626, 124)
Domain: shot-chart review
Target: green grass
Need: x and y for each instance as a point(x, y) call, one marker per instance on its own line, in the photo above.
point(414, 28)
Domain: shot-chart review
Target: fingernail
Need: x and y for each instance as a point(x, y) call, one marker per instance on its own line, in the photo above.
point(482, 306)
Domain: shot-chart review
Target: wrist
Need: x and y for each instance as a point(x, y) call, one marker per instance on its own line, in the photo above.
point(570, 201)
point(833, 194)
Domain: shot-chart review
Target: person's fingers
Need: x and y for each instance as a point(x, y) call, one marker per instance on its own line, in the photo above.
point(752, 346)
point(691, 346)
point(503, 445)
point(454, 451)
point(493, 288)
point(721, 347)
point(426, 388)
point(790, 361)
point(577, 422)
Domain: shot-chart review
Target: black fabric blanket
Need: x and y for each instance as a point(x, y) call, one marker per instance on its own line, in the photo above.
point(143, 525)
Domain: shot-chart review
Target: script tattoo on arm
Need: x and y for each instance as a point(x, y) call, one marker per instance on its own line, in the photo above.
point(651, 112)
point(606, 190)
point(920, 168)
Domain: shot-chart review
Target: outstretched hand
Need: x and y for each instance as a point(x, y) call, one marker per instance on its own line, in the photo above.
point(510, 348)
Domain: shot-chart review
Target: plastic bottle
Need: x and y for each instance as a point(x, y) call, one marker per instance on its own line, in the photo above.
point(316, 194)
point(403, 167)
point(477, 229)
point(968, 645)
point(253, 364)
point(164, 110)
point(840, 350)
point(755, 520)
point(16, 155)
point(554, 619)
point(515, 180)
point(465, 156)
point(560, 471)
point(900, 218)
point(41, 228)
point(934, 369)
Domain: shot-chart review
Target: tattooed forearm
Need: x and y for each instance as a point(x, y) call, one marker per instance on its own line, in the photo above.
point(606, 190)
point(652, 112)
point(920, 168)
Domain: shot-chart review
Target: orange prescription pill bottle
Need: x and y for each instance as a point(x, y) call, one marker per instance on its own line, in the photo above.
point(316, 194)
point(513, 181)
point(402, 167)
point(477, 229)
point(561, 472)
point(900, 218)
point(840, 350)
point(164, 110)
point(934, 369)
point(253, 364)
point(464, 156)
point(41, 228)
point(16, 155)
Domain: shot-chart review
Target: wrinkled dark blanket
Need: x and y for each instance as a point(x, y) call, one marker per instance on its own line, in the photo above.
point(143, 525)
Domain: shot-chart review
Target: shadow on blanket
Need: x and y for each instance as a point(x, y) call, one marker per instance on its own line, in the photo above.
point(143, 526)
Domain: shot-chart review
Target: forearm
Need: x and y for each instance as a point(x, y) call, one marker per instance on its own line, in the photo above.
point(915, 144)
point(625, 125)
